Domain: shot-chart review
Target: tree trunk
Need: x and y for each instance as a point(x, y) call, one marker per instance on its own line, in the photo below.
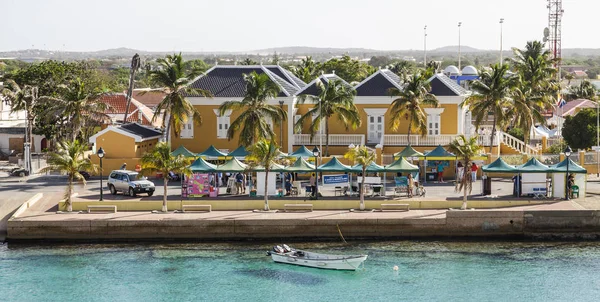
point(362, 189)
point(464, 203)
point(409, 128)
point(69, 193)
point(492, 135)
point(266, 192)
point(164, 205)
point(326, 136)
point(168, 130)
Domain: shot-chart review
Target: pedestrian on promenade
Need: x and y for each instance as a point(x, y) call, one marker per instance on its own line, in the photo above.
point(313, 184)
point(410, 185)
point(239, 179)
point(474, 169)
point(440, 171)
point(244, 183)
point(288, 184)
point(461, 170)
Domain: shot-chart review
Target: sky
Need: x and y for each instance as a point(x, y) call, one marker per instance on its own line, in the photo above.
point(246, 25)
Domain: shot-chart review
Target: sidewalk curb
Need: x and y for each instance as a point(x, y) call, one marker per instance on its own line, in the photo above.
point(29, 203)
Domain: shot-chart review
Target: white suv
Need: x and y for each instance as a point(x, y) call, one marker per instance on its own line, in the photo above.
point(129, 182)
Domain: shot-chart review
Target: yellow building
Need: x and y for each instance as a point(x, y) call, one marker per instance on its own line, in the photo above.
point(123, 144)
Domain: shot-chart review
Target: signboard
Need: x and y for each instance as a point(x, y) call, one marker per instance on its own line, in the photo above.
point(596, 148)
point(198, 185)
point(333, 180)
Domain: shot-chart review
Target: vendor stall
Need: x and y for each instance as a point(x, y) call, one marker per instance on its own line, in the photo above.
point(201, 182)
point(534, 179)
point(499, 166)
point(212, 153)
point(403, 166)
point(435, 158)
point(181, 150)
point(559, 174)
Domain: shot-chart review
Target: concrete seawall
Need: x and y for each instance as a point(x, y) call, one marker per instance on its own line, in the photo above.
point(319, 225)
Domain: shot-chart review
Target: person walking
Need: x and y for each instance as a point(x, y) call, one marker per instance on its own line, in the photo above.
point(460, 170)
point(288, 184)
point(313, 184)
point(474, 169)
point(239, 179)
point(440, 171)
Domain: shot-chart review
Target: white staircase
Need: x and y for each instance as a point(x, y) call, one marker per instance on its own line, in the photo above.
point(516, 144)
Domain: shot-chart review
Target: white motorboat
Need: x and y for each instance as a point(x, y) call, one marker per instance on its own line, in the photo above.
point(285, 254)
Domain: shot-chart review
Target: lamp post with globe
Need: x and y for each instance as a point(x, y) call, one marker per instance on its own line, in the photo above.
point(568, 152)
point(101, 154)
point(316, 153)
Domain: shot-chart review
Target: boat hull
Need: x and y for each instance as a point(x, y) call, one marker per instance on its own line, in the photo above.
point(321, 260)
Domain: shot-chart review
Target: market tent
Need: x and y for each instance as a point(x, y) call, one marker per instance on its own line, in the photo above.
point(401, 165)
point(200, 165)
point(409, 151)
point(240, 153)
point(533, 166)
point(233, 165)
point(334, 165)
point(301, 165)
point(212, 152)
point(274, 168)
point(499, 166)
point(439, 153)
point(562, 167)
point(373, 167)
point(302, 152)
point(183, 151)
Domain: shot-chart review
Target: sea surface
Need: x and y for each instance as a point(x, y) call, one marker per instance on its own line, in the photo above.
point(241, 271)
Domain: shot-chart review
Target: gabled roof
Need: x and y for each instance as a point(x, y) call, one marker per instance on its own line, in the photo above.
point(228, 80)
point(302, 152)
point(313, 89)
point(239, 152)
point(533, 166)
point(334, 165)
point(499, 166)
point(136, 131)
point(439, 153)
point(442, 85)
point(212, 152)
point(569, 109)
point(117, 103)
point(409, 151)
point(233, 165)
point(301, 165)
point(562, 167)
point(401, 165)
point(200, 165)
point(378, 84)
point(150, 99)
point(286, 75)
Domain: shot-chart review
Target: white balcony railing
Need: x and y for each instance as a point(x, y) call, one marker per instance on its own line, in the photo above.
point(417, 140)
point(517, 144)
point(334, 139)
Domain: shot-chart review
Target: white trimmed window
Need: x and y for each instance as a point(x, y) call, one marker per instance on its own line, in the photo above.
point(434, 120)
point(187, 128)
point(223, 123)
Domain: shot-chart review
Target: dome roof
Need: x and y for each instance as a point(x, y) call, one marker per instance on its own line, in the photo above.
point(451, 70)
point(470, 70)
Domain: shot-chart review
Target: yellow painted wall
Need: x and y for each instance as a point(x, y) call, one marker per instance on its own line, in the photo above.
point(206, 133)
point(116, 145)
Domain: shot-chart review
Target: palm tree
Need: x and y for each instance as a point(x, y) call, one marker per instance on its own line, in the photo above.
point(162, 161)
point(526, 110)
point(307, 70)
point(69, 159)
point(465, 149)
point(24, 99)
point(79, 107)
point(264, 153)
point(364, 157)
point(409, 104)
point(253, 121)
point(492, 96)
point(176, 85)
point(248, 61)
point(402, 68)
point(585, 90)
point(335, 98)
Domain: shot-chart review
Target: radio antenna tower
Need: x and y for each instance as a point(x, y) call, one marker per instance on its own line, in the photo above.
point(555, 12)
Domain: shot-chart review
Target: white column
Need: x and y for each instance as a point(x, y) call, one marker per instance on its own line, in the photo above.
point(290, 133)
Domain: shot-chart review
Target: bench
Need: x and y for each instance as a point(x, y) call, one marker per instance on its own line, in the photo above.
point(298, 207)
point(103, 208)
point(395, 207)
point(196, 207)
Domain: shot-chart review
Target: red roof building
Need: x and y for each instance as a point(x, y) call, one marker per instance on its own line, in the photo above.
point(138, 112)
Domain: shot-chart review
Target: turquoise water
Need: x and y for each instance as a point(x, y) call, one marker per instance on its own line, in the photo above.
point(428, 271)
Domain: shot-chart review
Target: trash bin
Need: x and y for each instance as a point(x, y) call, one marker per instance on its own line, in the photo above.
point(517, 189)
point(487, 185)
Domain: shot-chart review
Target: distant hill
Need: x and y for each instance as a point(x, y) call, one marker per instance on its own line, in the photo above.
point(312, 50)
point(454, 48)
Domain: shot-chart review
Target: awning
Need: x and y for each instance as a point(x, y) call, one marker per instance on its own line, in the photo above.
point(533, 166)
point(401, 165)
point(409, 151)
point(240, 152)
point(212, 152)
point(233, 165)
point(499, 166)
point(334, 165)
point(373, 167)
point(439, 153)
point(183, 151)
point(562, 167)
point(200, 165)
point(301, 165)
point(302, 152)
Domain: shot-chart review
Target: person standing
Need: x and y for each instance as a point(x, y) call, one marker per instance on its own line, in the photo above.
point(313, 184)
point(474, 169)
point(460, 170)
point(288, 184)
point(238, 183)
point(440, 171)
point(244, 183)
point(410, 185)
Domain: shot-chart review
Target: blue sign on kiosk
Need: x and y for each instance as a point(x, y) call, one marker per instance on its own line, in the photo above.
point(335, 179)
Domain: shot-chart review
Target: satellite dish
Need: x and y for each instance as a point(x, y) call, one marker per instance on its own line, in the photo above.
point(546, 32)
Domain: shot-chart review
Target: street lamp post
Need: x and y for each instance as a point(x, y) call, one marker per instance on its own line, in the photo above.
point(501, 22)
point(101, 154)
point(459, 24)
point(425, 46)
point(316, 153)
point(567, 154)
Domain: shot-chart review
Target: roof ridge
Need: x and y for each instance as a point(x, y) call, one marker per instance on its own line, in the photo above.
point(274, 78)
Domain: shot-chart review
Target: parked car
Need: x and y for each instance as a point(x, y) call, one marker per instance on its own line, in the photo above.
point(21, 172)
point(85, 175)
point(129, 182)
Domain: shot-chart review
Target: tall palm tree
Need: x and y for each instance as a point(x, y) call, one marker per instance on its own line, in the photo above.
point(264, 153)
point(161, 160)
point(79, 107)
point(69, 159)
point(409, 103)
point(402, 68)
point(335, 98)
point(175, 83)
point(364, 157)
point(585, 90)
point(307, 70)
point(255, 110)
point(526, 110)
point(22, 99)
point(248, 61)
point(492, 96)
point(465, 149)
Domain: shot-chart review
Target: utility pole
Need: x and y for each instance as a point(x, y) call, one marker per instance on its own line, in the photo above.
point(501, 22)
point(425, 46)
point(459, 24)
point(135, 65)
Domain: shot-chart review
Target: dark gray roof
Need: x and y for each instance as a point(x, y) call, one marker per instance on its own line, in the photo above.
point(442, 85)
point(139, 130)
point(286, 75)
point(312, 88)
point(228, 81)
point(378, 84)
